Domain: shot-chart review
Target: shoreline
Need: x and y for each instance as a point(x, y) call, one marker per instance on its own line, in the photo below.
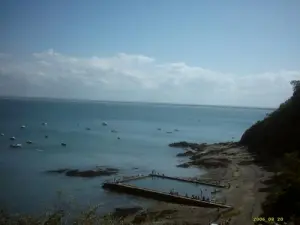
point(225, 162)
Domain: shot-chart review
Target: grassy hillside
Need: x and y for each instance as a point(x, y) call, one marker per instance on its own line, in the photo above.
point(279, 132)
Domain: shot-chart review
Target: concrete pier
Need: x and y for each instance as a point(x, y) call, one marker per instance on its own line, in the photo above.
point(161, 196)
point(134, 178)
point(189, 181)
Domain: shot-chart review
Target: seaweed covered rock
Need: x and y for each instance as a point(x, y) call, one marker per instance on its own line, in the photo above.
point(99, 171)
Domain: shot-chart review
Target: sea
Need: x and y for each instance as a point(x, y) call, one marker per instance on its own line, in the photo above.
point(144, 131)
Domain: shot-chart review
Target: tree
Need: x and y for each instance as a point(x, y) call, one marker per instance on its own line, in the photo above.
point(296, 86)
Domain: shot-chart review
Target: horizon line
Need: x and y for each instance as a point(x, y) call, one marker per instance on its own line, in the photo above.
point(116, 101)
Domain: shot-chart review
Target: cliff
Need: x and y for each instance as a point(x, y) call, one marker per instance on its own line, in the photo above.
point(279, 132)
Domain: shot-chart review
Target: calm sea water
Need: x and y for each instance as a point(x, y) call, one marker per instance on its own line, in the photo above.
point(26, 188)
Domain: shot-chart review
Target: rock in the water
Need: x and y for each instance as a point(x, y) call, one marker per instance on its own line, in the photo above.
point(86, 173)
point(57, 171)
point(187, 153)
point(184, 144)
point(184, 165)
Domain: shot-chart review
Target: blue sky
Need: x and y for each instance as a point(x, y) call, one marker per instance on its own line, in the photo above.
point(233, 40)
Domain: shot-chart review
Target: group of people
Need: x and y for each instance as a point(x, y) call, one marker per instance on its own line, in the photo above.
point(196, 197)
point(153, 172)
point(172, 192)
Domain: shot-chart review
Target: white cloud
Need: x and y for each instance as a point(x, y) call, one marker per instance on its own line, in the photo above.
point(138, 78)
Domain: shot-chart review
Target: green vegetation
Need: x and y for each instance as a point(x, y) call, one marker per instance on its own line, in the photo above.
point(278, 133)
point(275, 140)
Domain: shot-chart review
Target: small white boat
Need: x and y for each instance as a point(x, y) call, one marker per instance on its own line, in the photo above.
point(63, 144)
point(23, 127)
point(114, 131)
point(104, 123)
point(44, 124)
point(12, 138)
point(29, 142)
point(16, 146)
point(2, 134)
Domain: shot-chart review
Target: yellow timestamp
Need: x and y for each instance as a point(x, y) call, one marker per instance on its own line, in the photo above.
point(267, 219)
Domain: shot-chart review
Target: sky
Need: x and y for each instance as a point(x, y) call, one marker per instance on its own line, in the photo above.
point(238, 53)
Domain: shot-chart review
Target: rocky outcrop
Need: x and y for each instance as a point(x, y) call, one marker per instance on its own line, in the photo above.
point(210, 163)
point(193, 146)
point(124, 212)
point(187, 153)
point(184, 165)
point(86, 173)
